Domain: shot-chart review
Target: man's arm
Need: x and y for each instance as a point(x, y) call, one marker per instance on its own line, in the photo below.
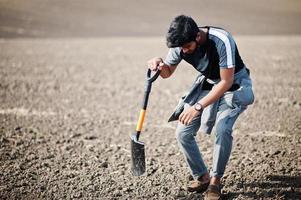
point(166, 70)
point(227, 77)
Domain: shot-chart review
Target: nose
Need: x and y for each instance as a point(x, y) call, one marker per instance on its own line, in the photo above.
point(185, 50)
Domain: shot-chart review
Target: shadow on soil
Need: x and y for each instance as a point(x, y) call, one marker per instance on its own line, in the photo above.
point(282, 187)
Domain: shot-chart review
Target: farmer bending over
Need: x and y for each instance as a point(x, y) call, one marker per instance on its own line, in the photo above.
point(222, 91)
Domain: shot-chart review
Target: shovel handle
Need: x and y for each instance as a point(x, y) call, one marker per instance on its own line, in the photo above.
point(151, 78)
point(140, 121)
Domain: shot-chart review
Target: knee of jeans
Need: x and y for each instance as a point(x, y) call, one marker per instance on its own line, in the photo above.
point(223, 129)
point(183, 136)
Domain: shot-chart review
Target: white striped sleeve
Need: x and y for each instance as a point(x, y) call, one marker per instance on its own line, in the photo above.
point(226, 49)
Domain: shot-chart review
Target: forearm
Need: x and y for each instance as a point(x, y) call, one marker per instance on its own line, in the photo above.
point(157, 63)
point(215, 93)
point(165, 71)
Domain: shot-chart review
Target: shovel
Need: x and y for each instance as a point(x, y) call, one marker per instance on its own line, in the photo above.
point(137, 147)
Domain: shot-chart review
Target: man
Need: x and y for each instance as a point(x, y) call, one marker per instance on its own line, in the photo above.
point(221, 92)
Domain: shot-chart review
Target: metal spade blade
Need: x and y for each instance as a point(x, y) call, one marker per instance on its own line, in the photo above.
point(138, 156)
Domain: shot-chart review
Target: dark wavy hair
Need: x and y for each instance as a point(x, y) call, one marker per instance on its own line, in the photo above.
point(183, 29)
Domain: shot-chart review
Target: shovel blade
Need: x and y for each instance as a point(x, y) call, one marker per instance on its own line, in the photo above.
point(138, 156)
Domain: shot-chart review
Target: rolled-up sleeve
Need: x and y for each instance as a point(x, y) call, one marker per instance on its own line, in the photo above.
point(226, 48)
point(227, 55)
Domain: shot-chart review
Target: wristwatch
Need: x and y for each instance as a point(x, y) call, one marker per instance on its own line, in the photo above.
point(198, 107)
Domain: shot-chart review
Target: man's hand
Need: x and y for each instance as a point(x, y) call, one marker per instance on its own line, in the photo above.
point(188, 115)
point(155, 64)
point(158, 64)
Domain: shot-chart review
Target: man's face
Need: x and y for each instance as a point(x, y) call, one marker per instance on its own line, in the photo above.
point(188, 48)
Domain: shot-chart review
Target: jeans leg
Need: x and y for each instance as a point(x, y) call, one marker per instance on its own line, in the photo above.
point(226, 118)
point(186, 140)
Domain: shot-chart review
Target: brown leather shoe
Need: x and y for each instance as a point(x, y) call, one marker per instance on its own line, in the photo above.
point(197, 186)
point(213, 193)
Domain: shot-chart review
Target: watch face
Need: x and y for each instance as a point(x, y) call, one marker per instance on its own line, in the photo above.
point(198, 107)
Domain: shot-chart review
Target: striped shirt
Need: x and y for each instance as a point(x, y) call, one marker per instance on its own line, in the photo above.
point(219, 51)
